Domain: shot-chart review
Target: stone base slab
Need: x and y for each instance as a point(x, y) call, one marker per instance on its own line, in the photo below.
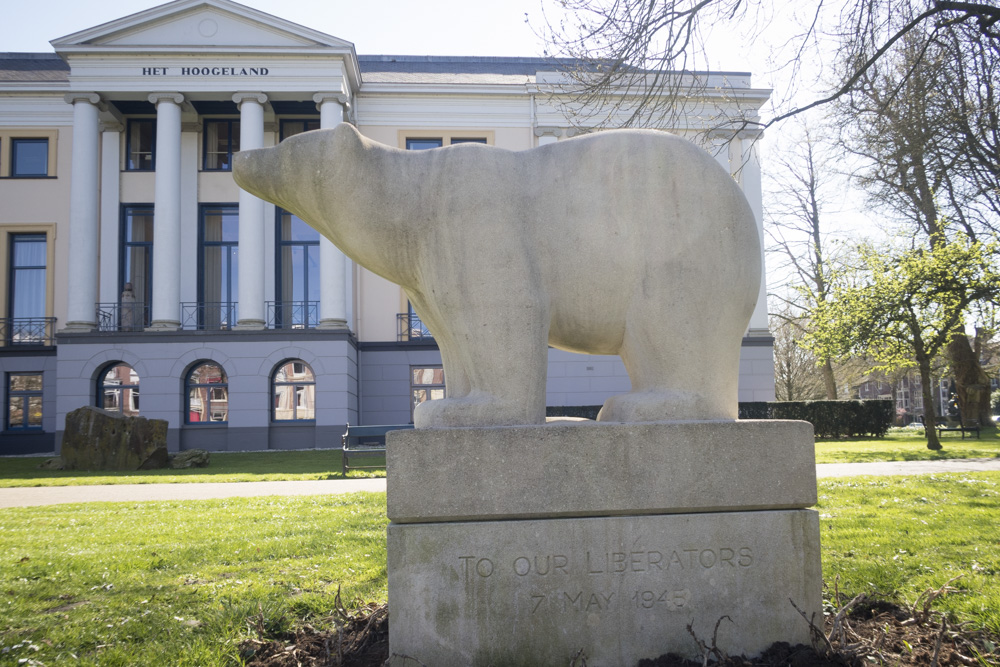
point(619, 589)
point(599, 469)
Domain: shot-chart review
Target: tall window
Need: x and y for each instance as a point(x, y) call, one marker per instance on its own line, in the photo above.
point(291, 127)
point(118, 390)
point(426, 384)
point(140, 145)
point(207, 390)
point(29, 158)
point(222, 139)
point(293, 392)
point(297, 272)
point(24, 401)
point(26, 280)
point(218, 289)
point(136, 266)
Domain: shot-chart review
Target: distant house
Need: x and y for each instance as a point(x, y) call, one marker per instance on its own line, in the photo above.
point(138, 277)
point(907, 392)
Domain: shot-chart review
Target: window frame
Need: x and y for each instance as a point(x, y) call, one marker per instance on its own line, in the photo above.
point(232, 141)
point(212, 386)
point(227, 307)
point(128, 145)
point(7, 136)
point(12, 269)
point(17, 141)
point(414, 386)
point(124, 245)
point(26, 395)
point(103, 387)
point(296, 386)
point(282, 134)
point(447, 137)
point(309, 248)
point(6, 234)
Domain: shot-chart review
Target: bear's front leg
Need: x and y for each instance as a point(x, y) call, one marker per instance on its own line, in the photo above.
point(501, 354)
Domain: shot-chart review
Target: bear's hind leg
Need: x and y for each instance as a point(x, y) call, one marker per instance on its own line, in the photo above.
point(677, 375)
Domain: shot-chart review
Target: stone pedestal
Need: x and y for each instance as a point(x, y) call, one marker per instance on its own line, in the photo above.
point(527, 545)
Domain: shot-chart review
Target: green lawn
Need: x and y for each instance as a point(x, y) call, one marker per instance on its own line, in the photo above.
point(181, 583)
point(908, 445)
point(223, 467)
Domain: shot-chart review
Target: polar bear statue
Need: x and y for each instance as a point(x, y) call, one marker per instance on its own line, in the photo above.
point(628, 242)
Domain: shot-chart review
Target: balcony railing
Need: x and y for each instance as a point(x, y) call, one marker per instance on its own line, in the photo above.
point(122, 316)
point(292, 314)
point(410, 328)
point(26, 331)
point(210, 316)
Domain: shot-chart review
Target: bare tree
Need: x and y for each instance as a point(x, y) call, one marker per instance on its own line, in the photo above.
point(635, 62)
point(795, 371)
point(798, 238)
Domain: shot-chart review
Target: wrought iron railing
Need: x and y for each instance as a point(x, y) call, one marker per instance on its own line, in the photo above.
point(26, 331)
point(410, 328)
point(122, 316)
point(292, 314)
point(209, 316)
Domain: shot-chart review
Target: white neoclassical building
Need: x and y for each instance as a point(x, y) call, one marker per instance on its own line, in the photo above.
point(135, 275)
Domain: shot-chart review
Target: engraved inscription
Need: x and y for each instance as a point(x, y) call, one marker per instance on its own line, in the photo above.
point(597, 563)
point(573, 601)
point(669, 600)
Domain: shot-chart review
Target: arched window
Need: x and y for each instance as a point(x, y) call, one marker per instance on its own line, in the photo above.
point(207, 390)
point(293, 392)
point(118, 389)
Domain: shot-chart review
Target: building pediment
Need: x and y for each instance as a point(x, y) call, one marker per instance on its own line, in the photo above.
point(202, 25)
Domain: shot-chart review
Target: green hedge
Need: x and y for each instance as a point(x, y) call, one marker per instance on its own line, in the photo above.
point(830, 419)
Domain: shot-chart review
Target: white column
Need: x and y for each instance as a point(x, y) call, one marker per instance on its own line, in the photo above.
point(167, 213)
point(332, 263)
point(251, 230)
point(111, 134)
point(84, 232)
point(751, 182)
point(548, 135)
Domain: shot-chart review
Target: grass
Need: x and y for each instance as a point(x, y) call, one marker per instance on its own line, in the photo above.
point(899, 536)
point(907, 445)
point(272, 466)
point(181, 583)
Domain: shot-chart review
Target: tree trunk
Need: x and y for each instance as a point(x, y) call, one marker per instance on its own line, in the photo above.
point(972, 385)
point(829, 381)
point(930, 420)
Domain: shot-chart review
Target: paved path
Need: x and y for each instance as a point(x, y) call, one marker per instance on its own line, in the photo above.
point(54, 495)
point(906, 467)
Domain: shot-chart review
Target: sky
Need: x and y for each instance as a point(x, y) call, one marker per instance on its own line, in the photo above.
point(411, 27)
point(448, 27)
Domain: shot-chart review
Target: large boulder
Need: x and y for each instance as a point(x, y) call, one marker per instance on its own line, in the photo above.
point(97, 439)
point(190, 458)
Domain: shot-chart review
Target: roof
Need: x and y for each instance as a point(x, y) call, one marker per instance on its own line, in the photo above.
point(33, 67)
point(454, 69)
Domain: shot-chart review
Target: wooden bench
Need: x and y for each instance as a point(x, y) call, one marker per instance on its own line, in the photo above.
point(957, 426)
point(365, 442)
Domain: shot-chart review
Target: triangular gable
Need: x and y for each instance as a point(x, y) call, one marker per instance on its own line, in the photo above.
point(204, 24)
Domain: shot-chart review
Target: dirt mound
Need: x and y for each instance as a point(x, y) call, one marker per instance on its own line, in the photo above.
point(864, 632)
